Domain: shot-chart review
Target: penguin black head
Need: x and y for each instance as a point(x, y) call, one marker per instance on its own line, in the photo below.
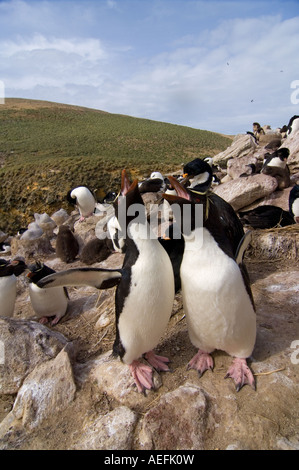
point(5, 268)
point(110, 197)
point(37, 271)
point(200, 172)
point(19, 266)
point(282, 153)
point(196, 167)
point(70, 199)
point(130, 196)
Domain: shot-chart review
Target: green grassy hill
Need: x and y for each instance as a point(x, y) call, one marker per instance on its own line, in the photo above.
point(48, 148)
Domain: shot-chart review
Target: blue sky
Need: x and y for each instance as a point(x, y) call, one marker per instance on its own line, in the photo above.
point(215, 65)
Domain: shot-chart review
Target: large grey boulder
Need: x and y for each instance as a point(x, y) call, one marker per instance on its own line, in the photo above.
point(24, 345)
point(242, 192)
point(242, 145)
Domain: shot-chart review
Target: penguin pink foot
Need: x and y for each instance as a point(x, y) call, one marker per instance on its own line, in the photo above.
point(240, 373)
point(142, 375)
point(45, 320)
point(56, 320)
point(201, 362)
point(158, 362)
point(83, 218)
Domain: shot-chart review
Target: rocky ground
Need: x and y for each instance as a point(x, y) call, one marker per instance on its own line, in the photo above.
point(60, 389)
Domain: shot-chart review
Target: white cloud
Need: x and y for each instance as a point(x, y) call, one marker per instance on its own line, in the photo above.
point(206, 79)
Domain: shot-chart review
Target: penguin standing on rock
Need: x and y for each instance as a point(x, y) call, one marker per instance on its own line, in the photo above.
point(216, 293)
point(8, 285)
point(145, 292)
point(46, 303)
point(275, 164)
point(84, 200)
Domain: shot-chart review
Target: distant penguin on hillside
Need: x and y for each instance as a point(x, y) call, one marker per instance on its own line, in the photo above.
point(145, 289)
point(8, 285)
point(83, 198)
point(67, 246)
point(293, 125)
point(275, 164)
point(200, 175)
point(46, 303)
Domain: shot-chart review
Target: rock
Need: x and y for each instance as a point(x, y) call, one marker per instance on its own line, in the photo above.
point(237, 166)
point(242, 145)
point(286, 444)
point(26, 344)
point(30, 248)
point(274, 243)
point(242, 192)
point(85, 231)
point(46, 391)
point(187, 407)
point(114, 379)
point(268, 137)
point(45, 223)
point(60, 217)
point(113, 431)
point(33, 233)
point(3, 236)
point(292, 143)
point(278, 198)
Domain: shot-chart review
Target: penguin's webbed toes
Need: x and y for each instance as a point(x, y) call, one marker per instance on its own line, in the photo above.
point(241, 374)
point(158, 362)
point(142, 375)
point(201, 362)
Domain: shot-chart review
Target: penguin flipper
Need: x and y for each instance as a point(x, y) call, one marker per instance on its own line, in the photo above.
point(244, 242)
point(95, 277)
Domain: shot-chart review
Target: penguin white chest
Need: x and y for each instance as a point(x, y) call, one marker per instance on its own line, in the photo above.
point(48, 302)
point(8, 293)
point(148, 306)
point(277, 162)
point(218, 309)
point(295, 208)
